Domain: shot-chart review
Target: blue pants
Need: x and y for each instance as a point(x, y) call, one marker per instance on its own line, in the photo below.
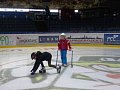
point(64, 56)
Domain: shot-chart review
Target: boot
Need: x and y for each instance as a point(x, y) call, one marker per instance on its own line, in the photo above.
point(32, 72)
point(58, 68)
point(43, 70)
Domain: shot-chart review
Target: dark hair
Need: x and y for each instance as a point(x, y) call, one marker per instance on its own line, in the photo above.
point(33, 54)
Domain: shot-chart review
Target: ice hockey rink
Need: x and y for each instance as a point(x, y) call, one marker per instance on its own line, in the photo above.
point(94, 68)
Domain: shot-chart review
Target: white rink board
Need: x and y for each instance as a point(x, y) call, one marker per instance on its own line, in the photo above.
point(30, 39)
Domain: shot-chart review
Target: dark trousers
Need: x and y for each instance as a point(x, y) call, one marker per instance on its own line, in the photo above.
point(37, 64)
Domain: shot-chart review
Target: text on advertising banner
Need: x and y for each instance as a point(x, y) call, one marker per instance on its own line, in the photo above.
point(48, 39)
point(112, 39)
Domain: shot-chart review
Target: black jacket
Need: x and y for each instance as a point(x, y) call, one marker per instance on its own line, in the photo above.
point(43, 56)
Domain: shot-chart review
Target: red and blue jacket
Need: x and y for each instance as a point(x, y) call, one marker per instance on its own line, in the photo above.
point(64, 44)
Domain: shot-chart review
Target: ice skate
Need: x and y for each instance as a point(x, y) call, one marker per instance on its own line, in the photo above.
point(58, 68)
point(43, 70)
point(32, 74)
point(64, 65)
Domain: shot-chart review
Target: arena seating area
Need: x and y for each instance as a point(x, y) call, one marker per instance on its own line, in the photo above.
point(96, 20)
point(12, 22)
point(15, 22)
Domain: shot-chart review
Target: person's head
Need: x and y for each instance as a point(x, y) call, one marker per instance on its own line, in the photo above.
point(62, 36)
point(33, 55)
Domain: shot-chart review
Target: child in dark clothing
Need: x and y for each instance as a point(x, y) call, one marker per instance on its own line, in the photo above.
point(39, 58)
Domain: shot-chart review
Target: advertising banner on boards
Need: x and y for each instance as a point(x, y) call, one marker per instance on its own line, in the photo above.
point(26, 39)
point(7, 40)
point(48, 39)
point(86, 38)
point(113, 39)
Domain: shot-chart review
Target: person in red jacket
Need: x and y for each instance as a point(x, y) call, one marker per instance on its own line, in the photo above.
point(63, 46)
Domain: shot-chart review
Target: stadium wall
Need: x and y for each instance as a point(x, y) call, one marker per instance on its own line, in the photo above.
point(13, 40)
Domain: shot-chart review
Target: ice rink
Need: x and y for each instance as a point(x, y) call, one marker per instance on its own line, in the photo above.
point(94, 68)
